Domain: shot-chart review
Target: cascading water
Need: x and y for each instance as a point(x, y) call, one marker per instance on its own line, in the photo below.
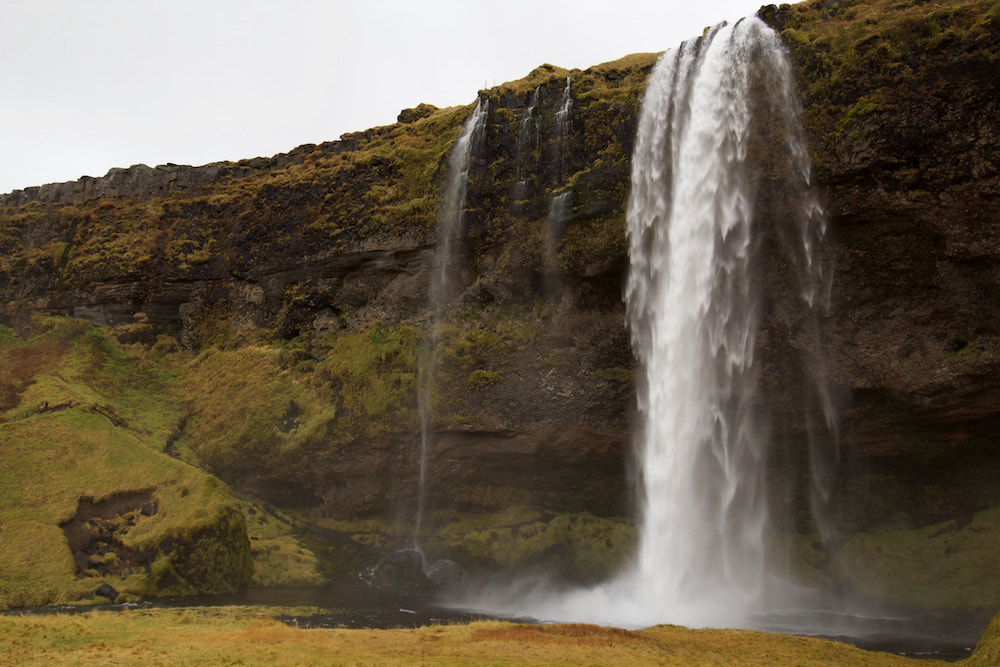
point(450, 228)
point(562, 126)
point(693, 313)
point(559, 207)
point(555, 224)
point(528, 137)
point(694, 298)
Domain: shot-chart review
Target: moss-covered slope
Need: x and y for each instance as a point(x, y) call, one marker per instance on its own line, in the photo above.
point(87, 497)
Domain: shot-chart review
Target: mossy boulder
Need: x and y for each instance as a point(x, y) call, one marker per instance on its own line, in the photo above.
point(213, 559)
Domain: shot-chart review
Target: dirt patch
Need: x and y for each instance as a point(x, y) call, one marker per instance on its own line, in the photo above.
point(20, 368)
point(574, 633)
point(95, 534)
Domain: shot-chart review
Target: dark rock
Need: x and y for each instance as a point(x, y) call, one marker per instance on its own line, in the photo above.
point(446, 574)
point(107, 591)
point(403, 569)
point(420, 111)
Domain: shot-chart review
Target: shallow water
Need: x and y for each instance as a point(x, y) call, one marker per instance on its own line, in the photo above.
point(950, 636)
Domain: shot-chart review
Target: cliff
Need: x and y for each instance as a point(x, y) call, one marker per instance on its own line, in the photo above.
point(291, 292)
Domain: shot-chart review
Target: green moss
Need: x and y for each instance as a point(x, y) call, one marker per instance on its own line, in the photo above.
point(483, 378)
point(952, 564)
point(866, 105)
point(881, 56)
point(620, 375)
point(596, 247)
point(581, 546)
point(372, 376)
point(279, 558)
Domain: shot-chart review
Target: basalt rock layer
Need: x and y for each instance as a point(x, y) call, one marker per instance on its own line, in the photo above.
point(315, 266)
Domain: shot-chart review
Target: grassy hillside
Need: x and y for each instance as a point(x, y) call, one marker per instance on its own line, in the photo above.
point(87, 496)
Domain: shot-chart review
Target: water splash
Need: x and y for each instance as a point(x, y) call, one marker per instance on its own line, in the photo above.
point(694, 294)
point(451, 227)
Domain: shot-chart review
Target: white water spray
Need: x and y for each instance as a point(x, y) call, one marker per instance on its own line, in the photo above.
point(693, 306)
point(450, 229)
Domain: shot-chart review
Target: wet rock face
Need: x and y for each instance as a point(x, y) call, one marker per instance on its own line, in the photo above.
point(899, 128)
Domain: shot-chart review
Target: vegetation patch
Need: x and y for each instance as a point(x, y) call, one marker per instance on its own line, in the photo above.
point(954, 564)
point(279, 557)
point(581, 547)
point(86, 499)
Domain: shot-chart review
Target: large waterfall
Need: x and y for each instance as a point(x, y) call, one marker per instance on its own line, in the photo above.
point(717, 112)
point(693, 296)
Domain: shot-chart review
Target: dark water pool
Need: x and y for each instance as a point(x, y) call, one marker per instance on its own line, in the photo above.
point(951, 636)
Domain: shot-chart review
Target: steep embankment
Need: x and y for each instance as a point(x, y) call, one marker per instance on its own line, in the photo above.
point(290, 294)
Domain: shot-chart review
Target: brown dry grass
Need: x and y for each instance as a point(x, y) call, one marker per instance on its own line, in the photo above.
point(241, 635)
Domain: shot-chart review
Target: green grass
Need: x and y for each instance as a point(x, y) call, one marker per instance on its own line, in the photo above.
point(53, 460)
point(952, 564)
point(279, 558)
point(55, 457)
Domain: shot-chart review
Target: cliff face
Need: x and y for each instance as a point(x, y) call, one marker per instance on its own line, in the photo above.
point(902, 109)
point(330, 249)
point(316, 266)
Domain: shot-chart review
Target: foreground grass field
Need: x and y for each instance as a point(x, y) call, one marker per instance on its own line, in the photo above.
point(246, 636)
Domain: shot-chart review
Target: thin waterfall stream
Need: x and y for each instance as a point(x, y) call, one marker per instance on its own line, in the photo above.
point(560, 205)
point(450, 229)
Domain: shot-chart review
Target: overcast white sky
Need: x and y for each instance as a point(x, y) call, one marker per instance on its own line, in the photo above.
point(90, 85)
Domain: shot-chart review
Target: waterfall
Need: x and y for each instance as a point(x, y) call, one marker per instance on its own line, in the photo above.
point(562, 127)
point(555, 224)
point(528, 137)
point(560, 205)
point(693, 299)
point(450, 223)
point(719, 122)
point(693, 320)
